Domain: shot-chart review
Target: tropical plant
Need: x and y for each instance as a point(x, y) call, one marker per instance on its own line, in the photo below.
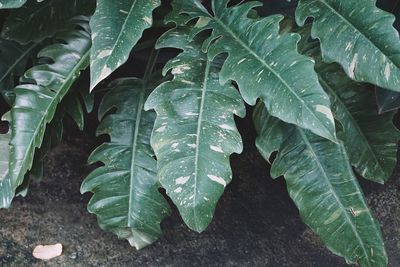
point(324, 80)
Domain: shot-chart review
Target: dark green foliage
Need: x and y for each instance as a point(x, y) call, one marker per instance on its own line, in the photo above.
point(326, 95)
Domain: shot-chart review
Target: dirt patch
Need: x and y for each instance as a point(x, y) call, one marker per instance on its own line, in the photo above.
point(255, 224)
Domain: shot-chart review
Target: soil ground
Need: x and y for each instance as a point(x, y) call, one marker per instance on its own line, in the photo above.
point(255, 223)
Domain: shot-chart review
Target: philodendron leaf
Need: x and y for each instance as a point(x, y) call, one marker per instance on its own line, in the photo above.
point(37, 100)
point(38, 20)
point(126, 199)
point(72, 106)
point(369, 138)
point(195, 132)
point(264, 63)
point(11, 3)
point(13, 61)
point(358, 36)
point(117, 26)
point(6, 191)
point(387, 100)
point(87, 99)
point(54, 130)
point(323, 186)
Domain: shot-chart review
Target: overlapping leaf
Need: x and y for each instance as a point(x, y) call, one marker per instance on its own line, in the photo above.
point(117, 26)
point(387, 100)
point(194, 133)
point(126, 199)
point(264, 63)
point(11, 3)
point(13, 60)
point(40, 19)
point(321, 182)
point(369, 138)
point(5, 184)
point(358, 36)
point(37, 100)
point(71, 106)
point(5, 150)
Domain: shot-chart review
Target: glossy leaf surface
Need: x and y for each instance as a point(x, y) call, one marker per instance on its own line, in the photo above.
point(369, 138)
point(11, 3)
point(264, 63)
point(194, 133)
point(36, 100)
point(126, 199)
point(117, 26)
point(357, 35)
point(324, 188)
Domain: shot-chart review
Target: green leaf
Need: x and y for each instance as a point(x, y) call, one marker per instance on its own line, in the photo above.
point(11, 3)
point(13, 61)
point(370, 139)
point(5, 149)
point(117, 26)
point(126, 199)
point(72, 106)
point(264, 63)
point(52, 137)
point(323, 186)
point(38, 20)
point(88, 99)
point(357, 35)
point(387, 100)
point(36, 100)
point(6, 191)
point(195, 132)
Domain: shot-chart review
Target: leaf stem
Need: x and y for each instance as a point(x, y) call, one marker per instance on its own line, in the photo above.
point(150, 65)
point(144, 45)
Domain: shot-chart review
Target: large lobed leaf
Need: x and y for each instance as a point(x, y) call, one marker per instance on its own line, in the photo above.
point(323, 186)
point(369, 138)
point(357, 35)
point(70, 105)
point(36, 100)
point(38, 20)
point(126, 199)
point(117, 26)
point(194, 133)
point(264, 63)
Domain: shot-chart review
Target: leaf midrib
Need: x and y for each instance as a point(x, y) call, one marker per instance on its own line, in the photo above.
point(325, 176)
point(198, 132)
point(236, 38)
point(133, 152)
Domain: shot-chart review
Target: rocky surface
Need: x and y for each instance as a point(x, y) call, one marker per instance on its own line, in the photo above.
point(255, 224)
